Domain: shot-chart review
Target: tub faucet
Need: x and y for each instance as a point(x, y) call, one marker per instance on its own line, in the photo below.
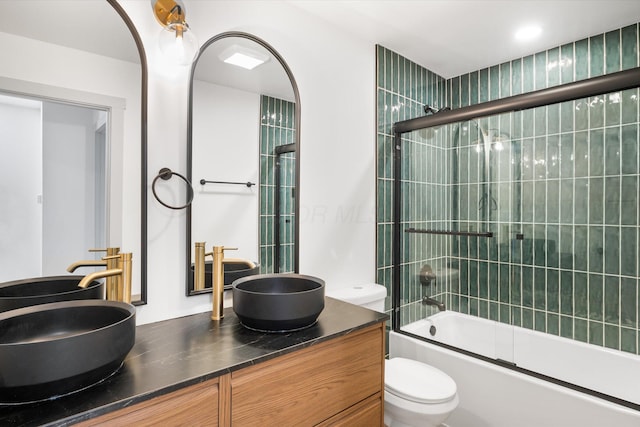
point(430, 301)
point(123, 282)
point(217, 282)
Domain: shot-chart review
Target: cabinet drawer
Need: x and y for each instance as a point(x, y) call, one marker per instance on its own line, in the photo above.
point(196, 405)
point(369, 413)
point(311, 385)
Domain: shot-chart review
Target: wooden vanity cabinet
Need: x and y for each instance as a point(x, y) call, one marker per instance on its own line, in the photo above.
point(324, 383)
point(338, 382)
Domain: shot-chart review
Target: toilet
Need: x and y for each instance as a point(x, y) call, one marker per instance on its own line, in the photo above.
point(415, 394)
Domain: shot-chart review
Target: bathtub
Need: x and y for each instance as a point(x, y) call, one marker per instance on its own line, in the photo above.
point(492, 395)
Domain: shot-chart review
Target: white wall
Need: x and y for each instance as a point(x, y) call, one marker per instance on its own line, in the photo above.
point(335, 73)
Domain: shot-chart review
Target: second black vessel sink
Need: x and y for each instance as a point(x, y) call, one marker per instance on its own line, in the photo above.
point(42, 290)
point(278, 302)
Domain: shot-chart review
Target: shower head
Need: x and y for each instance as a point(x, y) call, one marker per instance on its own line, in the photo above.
point(428, 109)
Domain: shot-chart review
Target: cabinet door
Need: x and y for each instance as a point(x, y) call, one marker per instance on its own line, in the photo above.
point(310, 386)
point(197, 405)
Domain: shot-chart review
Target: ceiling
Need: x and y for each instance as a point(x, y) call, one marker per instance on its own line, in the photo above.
point(454, 37)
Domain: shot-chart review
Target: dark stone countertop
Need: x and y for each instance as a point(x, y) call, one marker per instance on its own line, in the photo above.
point(176, 353)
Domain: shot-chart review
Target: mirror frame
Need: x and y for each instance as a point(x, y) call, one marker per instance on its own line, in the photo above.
point(294, 86)
point(142, 257)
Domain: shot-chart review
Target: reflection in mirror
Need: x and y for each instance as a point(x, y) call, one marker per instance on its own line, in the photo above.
point(242, 159)
point(72, 130)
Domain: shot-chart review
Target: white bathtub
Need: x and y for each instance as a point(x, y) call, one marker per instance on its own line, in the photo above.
point(494, 396)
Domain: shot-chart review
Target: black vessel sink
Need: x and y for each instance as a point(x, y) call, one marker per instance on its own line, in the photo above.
point(50, 350)
point(278, 302)
point(232, 272)
point(42, 290)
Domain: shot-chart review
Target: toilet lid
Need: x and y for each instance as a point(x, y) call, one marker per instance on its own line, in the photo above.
point(417, 382)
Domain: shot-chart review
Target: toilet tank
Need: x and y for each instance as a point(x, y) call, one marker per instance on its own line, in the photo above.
point(370, 295)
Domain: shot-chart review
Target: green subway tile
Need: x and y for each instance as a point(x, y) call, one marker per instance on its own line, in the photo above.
point(540, 70)
point(464, 90)
point(581, 114)
point(582, 59)
point(393, 72)
point(505, 314)
point(527, 318)
point(566, 63)
point(401, 75)
point(455, 92)
point(612, 200)
point(484, 85)
point(539, 289)
point(596, 249)
point(629, 146)
point(581, 200)
point(494, 82)
point(628, 251)
point(566, 327)
point(474, 88)
point(612, 49)
point(596, 111)
point(629, 107)
point(540, 117)
point(566, 156)
point(553, 245)
point(553, 324)
point(516, 316)
point(553, 119)
point(613, 103)
point(504, 283)
point(596, 200)
point(612, 250)
point(540, 244)
point(566, 116)
point(581, 149)
point(527, 286)
point(539, 201)
point(596, 333)
point(630, 47)
point(580, 330)
point(553, 291)
point(628, 340)
point(379, 65)
point(629, 200)
point(596, 292)
point(628, 302)
point(516, 285)
point(516, 77)
point(505, 79)
point(612, 151)
point(596, 55)
point(580, 295)
point(483, 309)
point(540, 321)
point(580, 246)
point(553, 67)
point(528, 74)
point(553, 157)
point(612, 337)
point(611, 299)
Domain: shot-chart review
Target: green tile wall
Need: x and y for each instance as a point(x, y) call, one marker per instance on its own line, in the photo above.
point(565, 176)
point(277, 127)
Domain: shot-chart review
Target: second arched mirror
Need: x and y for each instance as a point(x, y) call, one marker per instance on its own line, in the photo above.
point(243, 158)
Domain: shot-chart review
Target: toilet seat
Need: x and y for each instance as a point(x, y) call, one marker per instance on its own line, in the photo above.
point(418, 382)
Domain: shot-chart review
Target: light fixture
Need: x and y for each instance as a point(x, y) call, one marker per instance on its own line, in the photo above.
point(529, 32)
point(176, 39)
point(243, 57)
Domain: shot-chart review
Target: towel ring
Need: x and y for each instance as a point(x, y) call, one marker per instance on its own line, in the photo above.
point(166, 174)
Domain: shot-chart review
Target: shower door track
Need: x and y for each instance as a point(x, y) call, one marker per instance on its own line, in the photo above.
point(613, 82)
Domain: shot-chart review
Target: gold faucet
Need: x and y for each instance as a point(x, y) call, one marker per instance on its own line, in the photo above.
point(217, 288)
point(199, 268)
point(110, 261)
point(122, 288)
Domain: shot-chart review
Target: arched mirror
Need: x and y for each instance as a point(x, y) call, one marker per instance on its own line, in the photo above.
point(72, 138)
point(243, 157)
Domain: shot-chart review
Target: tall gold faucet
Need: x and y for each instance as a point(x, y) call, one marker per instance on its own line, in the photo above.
point(199, 267)
point(110, 261)
point(217, 288)
point(121, 273)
